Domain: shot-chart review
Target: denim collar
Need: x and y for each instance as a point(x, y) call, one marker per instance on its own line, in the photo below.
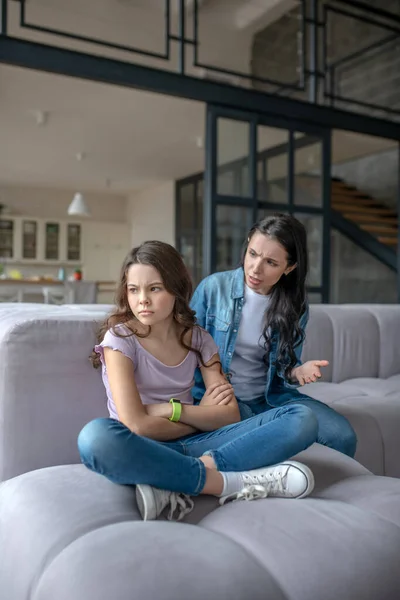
point(237, 290)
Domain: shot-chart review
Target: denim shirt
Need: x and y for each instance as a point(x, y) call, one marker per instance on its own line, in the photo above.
point(218, 302)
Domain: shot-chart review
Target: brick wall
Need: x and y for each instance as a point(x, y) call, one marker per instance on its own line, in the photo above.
point(374, 78)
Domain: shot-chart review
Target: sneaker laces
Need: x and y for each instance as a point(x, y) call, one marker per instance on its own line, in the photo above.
point(250, 492)
point(181, 502)
point(272, 481)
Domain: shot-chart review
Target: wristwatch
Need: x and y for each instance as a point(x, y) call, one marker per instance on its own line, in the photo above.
point(176, 410)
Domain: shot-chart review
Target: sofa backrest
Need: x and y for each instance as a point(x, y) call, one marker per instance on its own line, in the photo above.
point(48, 387)
point(359, 340)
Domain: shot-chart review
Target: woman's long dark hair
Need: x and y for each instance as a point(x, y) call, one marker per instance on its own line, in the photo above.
point(176, 279)
point(288, 296)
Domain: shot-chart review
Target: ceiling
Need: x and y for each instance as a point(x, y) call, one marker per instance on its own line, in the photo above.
point(128, 139)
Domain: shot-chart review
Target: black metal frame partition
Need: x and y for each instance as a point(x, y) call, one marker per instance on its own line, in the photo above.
point(213, 199)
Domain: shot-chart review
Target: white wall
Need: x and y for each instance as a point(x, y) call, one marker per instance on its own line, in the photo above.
point(53, 203)
point(151, 213)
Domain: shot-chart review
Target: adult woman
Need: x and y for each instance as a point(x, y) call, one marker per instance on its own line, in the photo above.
point(257, 315)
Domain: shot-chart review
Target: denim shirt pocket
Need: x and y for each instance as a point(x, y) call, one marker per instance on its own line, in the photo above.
point(219, 329)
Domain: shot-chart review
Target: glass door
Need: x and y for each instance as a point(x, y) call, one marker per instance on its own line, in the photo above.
point(29, 239)
point(73, 242)
point(7, 233)
point(52, 241)
point(258, 165)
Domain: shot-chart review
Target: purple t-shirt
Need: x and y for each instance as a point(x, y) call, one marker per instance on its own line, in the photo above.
point(156, 382)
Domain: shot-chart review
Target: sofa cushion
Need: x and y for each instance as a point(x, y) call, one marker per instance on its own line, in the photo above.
point(317, 548)
point(77, 536)
point(374, 416)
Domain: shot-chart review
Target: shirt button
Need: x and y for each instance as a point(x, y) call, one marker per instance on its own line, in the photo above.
point(229, 353)
point(235, 331)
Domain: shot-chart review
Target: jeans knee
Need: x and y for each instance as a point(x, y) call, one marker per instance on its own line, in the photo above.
point(303, 422)
point(94, 441)
point(309, 424)
point(345, 439)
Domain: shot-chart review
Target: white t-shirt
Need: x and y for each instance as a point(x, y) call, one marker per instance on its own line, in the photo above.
point(248, 370)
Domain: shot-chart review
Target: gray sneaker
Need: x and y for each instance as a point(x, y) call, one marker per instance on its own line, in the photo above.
point(289, 479)
point(151, 502)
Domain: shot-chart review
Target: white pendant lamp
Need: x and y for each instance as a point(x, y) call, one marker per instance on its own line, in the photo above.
point(78, 206)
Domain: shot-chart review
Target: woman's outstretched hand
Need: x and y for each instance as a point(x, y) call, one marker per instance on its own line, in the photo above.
point(218, 393)
point(309, 371)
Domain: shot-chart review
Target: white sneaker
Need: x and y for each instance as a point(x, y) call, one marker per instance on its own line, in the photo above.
point(289, 479)
point(151, 502)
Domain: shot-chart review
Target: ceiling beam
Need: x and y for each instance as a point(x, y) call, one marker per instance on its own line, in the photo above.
point(71, 63)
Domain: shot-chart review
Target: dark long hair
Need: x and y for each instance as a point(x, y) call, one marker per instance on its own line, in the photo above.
point(288, 296)
point(176, 280)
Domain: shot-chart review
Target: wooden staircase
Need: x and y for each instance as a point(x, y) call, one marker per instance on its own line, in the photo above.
point(368, 213)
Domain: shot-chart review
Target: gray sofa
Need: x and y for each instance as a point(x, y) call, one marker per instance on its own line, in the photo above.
point(362, 381)
point(66, 533)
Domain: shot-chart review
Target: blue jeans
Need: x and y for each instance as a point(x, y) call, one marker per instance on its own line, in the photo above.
point(109, 448)
point(334, 430)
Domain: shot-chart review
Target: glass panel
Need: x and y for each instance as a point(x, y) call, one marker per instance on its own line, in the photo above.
point(272, 150)
point(227, 184)
point(261, 180)
point(190, 234)
point(29, 239)
point(187, 206)
point(6, 238)
point(52, 238)
point(314, 298)
point(277, 181)
point(73, 242)
point(307, 174)
point(245, 181)
point(199, 235)
point(365, 172)
point(365, 186)
point(233, 160)
point(358, 277)
point(188, 252)
point(233, 224)
point(313, 225)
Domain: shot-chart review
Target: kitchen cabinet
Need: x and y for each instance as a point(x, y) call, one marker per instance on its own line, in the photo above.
point(31, 240)
point(7, 238)
point(97, 247)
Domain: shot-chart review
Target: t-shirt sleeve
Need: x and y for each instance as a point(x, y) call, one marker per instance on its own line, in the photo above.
point(206, 345)
point(126, 345)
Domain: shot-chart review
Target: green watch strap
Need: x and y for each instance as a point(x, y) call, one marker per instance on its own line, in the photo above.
point(176, 410)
